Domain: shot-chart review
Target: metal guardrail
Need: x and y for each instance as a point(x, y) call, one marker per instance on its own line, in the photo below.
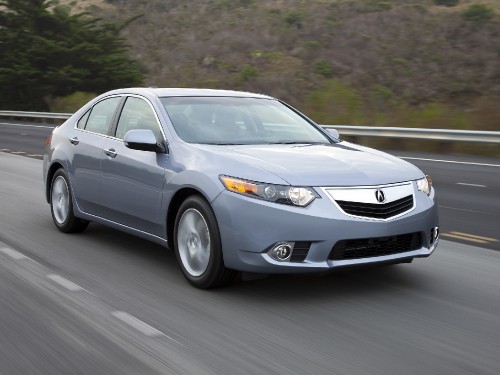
point(418, 133)
point(346, 130)
point(37, 115)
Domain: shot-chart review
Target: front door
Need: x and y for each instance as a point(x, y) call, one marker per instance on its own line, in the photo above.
point(132, 180)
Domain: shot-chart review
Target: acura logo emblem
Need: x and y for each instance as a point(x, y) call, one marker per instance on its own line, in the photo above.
point(380, 196)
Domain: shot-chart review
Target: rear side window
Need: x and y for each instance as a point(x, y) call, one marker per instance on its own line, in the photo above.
point(101, 115)
point(83, 121)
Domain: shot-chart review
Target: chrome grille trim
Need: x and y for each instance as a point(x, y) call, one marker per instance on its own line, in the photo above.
point(377, 211)
point(360, 201)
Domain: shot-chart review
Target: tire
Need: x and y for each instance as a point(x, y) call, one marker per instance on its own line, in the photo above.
point(61, 205)
point(197, 245)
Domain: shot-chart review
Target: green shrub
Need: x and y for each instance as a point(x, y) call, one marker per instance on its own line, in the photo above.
point(248, 72)
point(448, 3)
point(323, 68)
point(478, 13)
point(376, 6)
point(294, 19)
point(246, 3)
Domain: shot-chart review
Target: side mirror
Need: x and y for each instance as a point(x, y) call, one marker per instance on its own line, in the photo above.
point(334, 133)
point(143, 140)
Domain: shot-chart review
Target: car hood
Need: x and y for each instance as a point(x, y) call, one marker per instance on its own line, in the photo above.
point(341, 164)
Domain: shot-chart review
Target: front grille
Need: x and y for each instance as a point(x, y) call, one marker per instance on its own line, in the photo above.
point(377, 211)
point(300, 250)
point(375, 247)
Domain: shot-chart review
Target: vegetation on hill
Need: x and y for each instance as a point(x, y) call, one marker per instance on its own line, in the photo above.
point(429, 63)
point(423, 63)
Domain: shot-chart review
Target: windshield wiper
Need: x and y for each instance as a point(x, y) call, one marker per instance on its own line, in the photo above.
point(222, 143)
point(297, 143)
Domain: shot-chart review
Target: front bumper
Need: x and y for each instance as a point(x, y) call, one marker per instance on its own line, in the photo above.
point(250, 227)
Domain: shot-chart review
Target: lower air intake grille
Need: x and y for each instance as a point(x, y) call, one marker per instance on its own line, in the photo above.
point(300, 250)
point(377, 211)
point(374, 247)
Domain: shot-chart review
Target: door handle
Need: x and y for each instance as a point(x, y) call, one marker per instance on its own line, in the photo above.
point(74, 140)
point(110, 152)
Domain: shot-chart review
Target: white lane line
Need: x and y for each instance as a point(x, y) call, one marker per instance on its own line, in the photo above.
point(26, 125)
point(71, 286)
point(140, 326)
point(473, 185)
point(451, 161)
point(13, 253)
point(137, 324)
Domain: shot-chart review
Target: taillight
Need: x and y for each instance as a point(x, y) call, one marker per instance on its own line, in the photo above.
point(48, 139)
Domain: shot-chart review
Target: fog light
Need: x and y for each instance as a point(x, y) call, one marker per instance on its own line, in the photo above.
point(434, 234)
point(281, 251)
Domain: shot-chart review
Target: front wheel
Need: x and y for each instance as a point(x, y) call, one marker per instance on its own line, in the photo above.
point(61, 205)
point(198, 246)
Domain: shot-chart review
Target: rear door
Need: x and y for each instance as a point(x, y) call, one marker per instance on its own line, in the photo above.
point(132, 181)
point(87, 142)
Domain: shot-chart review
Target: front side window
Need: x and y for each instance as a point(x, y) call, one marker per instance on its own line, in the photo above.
point(233, 120)
point(101, 115)
point(137, 114)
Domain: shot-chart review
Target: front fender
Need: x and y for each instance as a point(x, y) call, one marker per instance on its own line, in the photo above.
point(209, 187)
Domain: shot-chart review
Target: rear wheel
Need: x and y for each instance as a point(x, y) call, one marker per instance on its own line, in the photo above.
point(61, 205)
point(198, 246)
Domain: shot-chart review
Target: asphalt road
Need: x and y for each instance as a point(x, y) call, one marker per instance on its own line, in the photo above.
point(103, 302)
point(468, 187)
point(22, 138)
point(468, 190)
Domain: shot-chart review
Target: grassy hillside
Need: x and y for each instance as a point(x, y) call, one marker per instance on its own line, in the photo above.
point(399, 62)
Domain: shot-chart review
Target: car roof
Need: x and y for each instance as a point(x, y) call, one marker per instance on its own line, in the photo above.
point(166, 92)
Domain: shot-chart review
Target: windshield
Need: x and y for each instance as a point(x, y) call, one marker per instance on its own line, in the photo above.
point(228, 120)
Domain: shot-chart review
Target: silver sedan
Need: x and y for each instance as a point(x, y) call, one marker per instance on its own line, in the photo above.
point(233, 181)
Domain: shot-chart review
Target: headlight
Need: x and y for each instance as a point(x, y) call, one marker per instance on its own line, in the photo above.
point(425, 185)
point(295, 196)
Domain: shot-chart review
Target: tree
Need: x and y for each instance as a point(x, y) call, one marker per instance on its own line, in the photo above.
point(46, 52)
